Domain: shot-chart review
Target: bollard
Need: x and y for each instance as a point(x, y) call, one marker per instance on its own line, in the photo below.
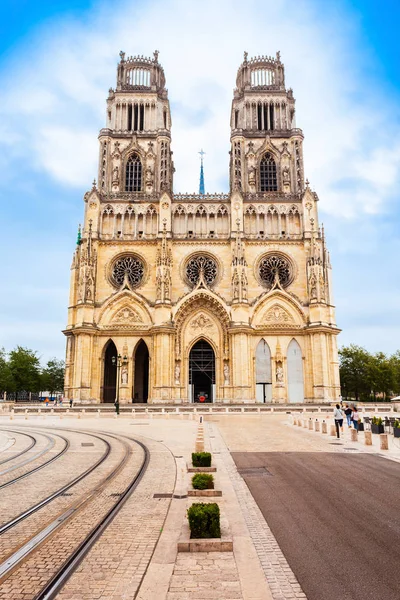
point(316, 425)
point(304, 423)
point(294, 421)
point(98, 414)
point(368, 438)
point(310, 424)
point(299, 422)
point(52, 411)
point(67, 411)
point(61, 416)
point(39, 411)
point(201, 418)
point(384, 441)
point(354, 435)
point(324, 427)
point(133, 413)
point(333, 431)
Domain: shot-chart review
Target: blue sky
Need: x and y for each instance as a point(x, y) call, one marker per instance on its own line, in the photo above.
point(57, 62)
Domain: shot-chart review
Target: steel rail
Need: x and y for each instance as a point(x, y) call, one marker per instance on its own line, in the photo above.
point(12, 562)
point(33, 443)
point(57, 456)
point(50, 446)
point(62, 490)
point(52, 588)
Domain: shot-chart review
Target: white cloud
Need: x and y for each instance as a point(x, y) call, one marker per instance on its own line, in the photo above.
point(53, 102)
point(65, 83)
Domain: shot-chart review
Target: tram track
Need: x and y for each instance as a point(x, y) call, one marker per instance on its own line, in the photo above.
point(18, 454)
point(25, 552)
point(13, 522)
point(41, 466)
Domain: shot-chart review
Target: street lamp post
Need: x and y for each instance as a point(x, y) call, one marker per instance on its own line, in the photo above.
point(118, 361)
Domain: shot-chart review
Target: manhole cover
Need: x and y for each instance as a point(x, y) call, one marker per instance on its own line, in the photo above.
point(336, 443)
point(87, 444)
point(162, 495)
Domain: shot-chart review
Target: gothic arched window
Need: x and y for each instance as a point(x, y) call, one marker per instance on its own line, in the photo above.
point(133, 174)
point(268, 177)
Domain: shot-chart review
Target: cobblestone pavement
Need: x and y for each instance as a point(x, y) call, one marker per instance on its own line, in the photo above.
point(115, 566)
point(26, 581)
point(25, 493)
point(77, 462)
point(205, 575)
point(11, 445)
point(46, 447)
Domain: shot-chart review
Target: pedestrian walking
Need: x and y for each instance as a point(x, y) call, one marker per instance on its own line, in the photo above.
point(338, 416)
point(355, 417)
point(347, 412)
point(71, 401)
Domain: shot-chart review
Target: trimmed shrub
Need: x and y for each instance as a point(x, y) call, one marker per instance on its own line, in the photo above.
point(201, 459)
point(203, 481)
point(204, 520)
point(377, 420)
point(396, 424)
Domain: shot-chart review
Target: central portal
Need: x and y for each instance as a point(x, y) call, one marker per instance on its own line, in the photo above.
point(202, 372)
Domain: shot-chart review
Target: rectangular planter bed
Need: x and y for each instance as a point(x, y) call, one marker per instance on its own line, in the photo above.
point(377, 428)
point(396, 432)
point(202, 469)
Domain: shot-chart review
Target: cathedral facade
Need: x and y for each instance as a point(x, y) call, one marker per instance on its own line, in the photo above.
point(179, 298)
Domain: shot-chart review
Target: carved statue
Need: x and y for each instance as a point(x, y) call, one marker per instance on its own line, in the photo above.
point(124, 375)
point(122, 55)
point(149, 176)
point(115, 176)
point(226, 374)
point(252, 176)
point(279, 374)
point(286, 175)
point(177, 374)
point(245, 55)
point(313, 287)
point(155, 54)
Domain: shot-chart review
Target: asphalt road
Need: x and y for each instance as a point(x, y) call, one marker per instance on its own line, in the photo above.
point(336, 518)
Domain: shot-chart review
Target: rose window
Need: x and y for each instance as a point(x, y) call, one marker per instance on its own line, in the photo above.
point(127, 267)
point(275, 268)
point(201, 265)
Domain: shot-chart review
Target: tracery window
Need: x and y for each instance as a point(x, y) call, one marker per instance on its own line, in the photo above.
point(268, 177)
point(133, 174)
point(129, 267)
point(201, 264)
point(273, 268)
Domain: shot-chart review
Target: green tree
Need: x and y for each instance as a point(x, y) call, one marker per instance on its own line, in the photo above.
point(354, 365)
point(25, 369)
point(6, 378)
point(52, 378)
point(395, 364)
point(381, 374)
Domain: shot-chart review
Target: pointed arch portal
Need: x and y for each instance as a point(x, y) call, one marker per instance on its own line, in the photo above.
point(110, 373)
point(295, 373)
point(263, 372)
point(202, 372)
point(141, 379)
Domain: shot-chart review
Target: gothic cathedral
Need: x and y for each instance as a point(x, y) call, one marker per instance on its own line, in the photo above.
point(180, 298)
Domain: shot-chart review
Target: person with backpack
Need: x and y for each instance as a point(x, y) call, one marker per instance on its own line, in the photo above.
point(347, 412)
point(338, 417)
point(355, 417)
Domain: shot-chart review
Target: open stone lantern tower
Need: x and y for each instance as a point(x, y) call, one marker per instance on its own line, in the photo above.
point(179, 298)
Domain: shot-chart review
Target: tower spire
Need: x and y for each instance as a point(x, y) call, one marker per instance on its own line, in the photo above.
point(201, 186)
